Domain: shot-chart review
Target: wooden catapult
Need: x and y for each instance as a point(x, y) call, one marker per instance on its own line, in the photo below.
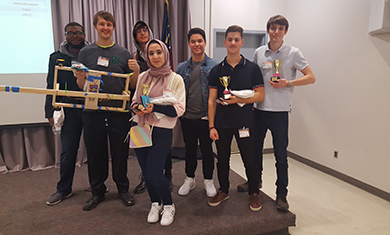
point(92, 95)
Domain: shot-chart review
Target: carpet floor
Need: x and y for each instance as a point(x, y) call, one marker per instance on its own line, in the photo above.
point(23, 208)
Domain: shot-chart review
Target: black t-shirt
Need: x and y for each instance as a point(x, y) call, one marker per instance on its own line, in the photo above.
point(245, 76)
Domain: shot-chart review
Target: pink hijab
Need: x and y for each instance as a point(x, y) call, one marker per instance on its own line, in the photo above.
point(161, 74)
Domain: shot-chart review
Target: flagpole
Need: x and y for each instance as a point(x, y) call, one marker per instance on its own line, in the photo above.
point(166, 32)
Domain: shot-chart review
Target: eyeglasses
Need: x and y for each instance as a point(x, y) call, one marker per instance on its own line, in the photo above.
point(142, 31)
point(71, 34)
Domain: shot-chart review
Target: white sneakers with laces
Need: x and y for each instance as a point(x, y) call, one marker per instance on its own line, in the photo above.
point(154, 213)
point(210, 188)
point(167, 215)
point(189, 184)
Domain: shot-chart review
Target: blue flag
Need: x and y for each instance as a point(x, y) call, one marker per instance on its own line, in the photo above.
point(166, 31)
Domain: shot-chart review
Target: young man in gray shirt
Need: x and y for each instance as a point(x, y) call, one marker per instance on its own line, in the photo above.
point(272, 113)
point(195, 73)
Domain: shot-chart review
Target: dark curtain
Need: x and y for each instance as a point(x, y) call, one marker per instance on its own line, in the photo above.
point(32, 147)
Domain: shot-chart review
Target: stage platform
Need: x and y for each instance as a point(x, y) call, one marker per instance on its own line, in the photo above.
point(24, 211)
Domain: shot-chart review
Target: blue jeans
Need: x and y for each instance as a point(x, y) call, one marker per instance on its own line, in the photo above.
point(277, 123)
point(70, 140)
point(152, 160)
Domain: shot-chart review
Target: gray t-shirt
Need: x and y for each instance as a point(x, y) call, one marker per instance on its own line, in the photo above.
point(117, 58)
point(194, 104)
point(278, 99)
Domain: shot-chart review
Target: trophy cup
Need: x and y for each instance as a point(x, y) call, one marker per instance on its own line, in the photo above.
point(144, 98)
point(276, 76)
point(225, 80)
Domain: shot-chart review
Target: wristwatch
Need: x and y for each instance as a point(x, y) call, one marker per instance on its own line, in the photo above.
point(289, 84)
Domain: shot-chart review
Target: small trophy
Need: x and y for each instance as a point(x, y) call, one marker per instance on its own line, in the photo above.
point(276, 76)
point(93, 86)
point(225, 80)
point(144, 98)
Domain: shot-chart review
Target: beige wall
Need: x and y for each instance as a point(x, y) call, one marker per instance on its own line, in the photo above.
point(346, 109)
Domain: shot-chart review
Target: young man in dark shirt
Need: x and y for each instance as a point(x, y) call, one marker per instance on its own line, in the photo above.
point(72, 127)
point(233, 116)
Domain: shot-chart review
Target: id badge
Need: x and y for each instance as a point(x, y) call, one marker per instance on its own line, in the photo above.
point(102, 61)
point(267, 65)
point(167, 93)
point(244, 132)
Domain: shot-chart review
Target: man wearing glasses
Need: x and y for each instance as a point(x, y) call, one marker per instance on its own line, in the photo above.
point(72, 127)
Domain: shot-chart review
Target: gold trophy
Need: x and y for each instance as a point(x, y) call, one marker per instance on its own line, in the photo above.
point(225, 80)
point(276, 76)
point(144, 98)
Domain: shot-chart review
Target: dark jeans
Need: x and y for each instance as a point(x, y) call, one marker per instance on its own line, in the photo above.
point(152, 160)
point(246, 147)
point(168, 166)
point(277, 123)
point(194, 130)
point(98, 125)
point(70, 140)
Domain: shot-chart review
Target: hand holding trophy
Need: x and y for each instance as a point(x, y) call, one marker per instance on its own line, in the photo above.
point(225, 80)
point(276, 76)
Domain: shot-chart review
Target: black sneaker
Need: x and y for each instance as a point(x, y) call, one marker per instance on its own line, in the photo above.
point(56, 198)
point(281, 203)
point(141, 187)
point(244, 187)
point(93, 202)
point(127, 199)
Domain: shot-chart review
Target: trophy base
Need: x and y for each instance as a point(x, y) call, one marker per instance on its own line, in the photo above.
point(226, 96)
point(145, 99)
point(275, 78)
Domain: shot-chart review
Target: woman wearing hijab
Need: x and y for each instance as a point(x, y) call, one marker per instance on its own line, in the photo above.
point(142, 34)
point(162, 118)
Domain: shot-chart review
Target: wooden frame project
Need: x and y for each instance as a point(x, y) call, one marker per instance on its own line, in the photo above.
point(91, 96)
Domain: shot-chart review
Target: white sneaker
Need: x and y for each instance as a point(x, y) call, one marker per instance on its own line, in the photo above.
point(189, 184)
point(167, 215)
point(154, 213)
point(210, 188)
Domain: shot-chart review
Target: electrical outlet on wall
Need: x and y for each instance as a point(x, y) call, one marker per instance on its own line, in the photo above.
point(336, 154)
